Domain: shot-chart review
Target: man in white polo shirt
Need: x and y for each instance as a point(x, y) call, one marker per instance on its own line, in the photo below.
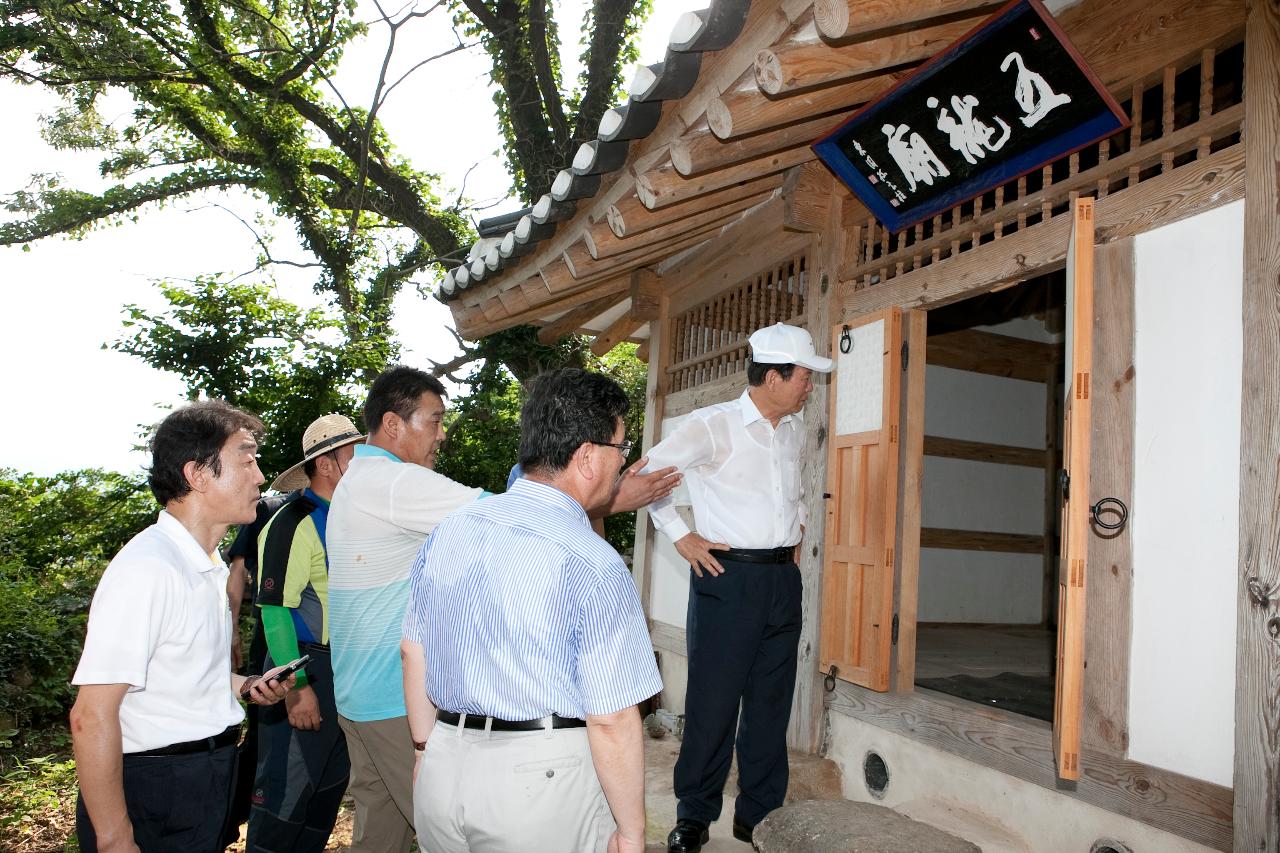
point(156, 719)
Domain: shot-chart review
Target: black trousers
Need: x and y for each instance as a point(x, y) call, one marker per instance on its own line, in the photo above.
point(743, 631)
point(301, 775)
point(177, 803)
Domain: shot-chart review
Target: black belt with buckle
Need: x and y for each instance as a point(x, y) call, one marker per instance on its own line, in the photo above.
point(493, 724)
point(229, 736)
point(785, 554)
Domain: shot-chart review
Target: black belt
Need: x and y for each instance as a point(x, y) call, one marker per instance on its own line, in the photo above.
point(757, 555)
point(229, 736)
point(317, 648)
point(476, 721)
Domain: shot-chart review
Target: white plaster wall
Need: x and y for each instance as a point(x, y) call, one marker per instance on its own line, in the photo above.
point(1186, 494)
point(669, 595)
point(999, 813)
point(973, 586)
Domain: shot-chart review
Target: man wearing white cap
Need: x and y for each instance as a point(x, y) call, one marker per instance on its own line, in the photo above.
point(303, 765)
point(741, 460)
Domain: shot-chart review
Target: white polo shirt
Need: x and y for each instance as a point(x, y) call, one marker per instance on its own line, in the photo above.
point(160, 623)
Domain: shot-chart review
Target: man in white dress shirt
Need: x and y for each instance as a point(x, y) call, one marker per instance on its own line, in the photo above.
point(741, 460)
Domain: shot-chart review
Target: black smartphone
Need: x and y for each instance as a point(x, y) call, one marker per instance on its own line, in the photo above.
point(289, 669)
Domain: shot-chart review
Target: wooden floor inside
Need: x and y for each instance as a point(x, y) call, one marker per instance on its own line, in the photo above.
point(983, 650)
point(1008, 667)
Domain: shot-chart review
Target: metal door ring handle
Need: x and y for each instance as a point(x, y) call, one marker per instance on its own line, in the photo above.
point(1101, 506)
point(846, 342)
point(829, 683)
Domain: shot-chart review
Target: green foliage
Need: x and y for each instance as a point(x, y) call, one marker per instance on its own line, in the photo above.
point(58, 534)
point(242, 343)
point(39, 795)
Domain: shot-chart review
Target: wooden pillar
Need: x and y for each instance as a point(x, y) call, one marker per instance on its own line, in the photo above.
point(1109, 587)
point(1257, 753)
point(655, 391)
point(805, 731)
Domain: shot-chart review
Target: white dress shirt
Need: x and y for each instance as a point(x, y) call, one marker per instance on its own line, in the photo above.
point(743, 476)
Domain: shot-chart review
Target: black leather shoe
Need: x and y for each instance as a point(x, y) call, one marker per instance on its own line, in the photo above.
point(688, 836)
point(742, 832)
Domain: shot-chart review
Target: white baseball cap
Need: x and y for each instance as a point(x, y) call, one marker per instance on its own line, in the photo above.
point(783, 344)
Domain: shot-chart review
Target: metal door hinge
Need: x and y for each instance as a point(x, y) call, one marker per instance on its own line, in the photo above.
point(906, 356)
point(894, 630)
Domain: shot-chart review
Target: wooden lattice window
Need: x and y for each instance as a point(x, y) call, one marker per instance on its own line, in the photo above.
point(709, 340)
point(1181, 114)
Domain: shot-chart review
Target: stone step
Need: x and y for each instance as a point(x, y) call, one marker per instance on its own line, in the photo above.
point(826, 826)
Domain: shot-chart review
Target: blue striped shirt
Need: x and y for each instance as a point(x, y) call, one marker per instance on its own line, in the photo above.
point(523, 611)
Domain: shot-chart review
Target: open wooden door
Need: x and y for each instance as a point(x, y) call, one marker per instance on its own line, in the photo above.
point(862, 482)
point(1069, 696)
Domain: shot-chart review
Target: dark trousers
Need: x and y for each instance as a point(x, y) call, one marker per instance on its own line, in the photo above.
point(301, 775)
point(177, 803)
point(743, 630)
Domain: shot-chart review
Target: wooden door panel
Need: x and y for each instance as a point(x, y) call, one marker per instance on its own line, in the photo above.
point(1069, 692)
point(862, 474)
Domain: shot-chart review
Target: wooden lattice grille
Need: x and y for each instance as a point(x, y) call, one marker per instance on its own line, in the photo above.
point(1181, 113)
point(709, 340)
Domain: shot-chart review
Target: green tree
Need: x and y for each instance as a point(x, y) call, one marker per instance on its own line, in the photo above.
point(56, 535)
point(243, 344)
point(240, 95)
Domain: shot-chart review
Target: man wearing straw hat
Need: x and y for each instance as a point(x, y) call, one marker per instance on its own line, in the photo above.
point(302, 755)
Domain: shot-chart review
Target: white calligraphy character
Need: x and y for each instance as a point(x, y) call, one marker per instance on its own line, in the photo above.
point(1032, 92)
point(967, 133)
point(913, 155)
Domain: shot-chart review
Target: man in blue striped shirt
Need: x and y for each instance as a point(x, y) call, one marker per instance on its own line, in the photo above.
point(526, 651)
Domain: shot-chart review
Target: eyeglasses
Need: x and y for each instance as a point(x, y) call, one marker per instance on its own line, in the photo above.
point(624, 446)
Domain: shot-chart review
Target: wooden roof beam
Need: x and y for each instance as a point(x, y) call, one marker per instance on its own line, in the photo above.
point(646, 294)
point(809, 61)
point(665, 186)
point(586, 268)
point(575, 318)
point(839, 19)
point(602, 243)
point(629, 216)
point(747, 110)
point(701, 151)
point(995, 355)
point(622, 328)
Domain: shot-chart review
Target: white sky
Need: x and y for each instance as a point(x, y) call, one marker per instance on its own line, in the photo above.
point(70, 403)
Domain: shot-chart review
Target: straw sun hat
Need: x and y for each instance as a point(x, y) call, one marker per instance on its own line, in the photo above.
point(325, 435)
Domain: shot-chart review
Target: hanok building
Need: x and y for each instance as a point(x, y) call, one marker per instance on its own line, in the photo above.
point(983, 638)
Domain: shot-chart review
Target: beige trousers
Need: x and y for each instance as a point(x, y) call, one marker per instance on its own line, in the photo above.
point(502, 792)
point(381, 784)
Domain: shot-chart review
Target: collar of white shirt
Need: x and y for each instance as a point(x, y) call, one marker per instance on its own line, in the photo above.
point(178, 532)
point(751, 414)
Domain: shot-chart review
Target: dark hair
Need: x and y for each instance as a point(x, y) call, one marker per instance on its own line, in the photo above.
point(194, 433)
point(565, 410)
point(398, 390)
point(756, 372)
point(309, 467)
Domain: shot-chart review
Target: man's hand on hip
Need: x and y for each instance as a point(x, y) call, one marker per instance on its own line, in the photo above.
point(304, 709)
point(636, 490)
point(697, 551)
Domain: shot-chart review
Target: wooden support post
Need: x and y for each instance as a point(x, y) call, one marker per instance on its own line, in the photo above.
point(1109, 590)
point(805, 731)
point(646, 294)
point(907, 583)
point(1257, 755)
point(655, 392)
point(1051, 459)
point(807, 193)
